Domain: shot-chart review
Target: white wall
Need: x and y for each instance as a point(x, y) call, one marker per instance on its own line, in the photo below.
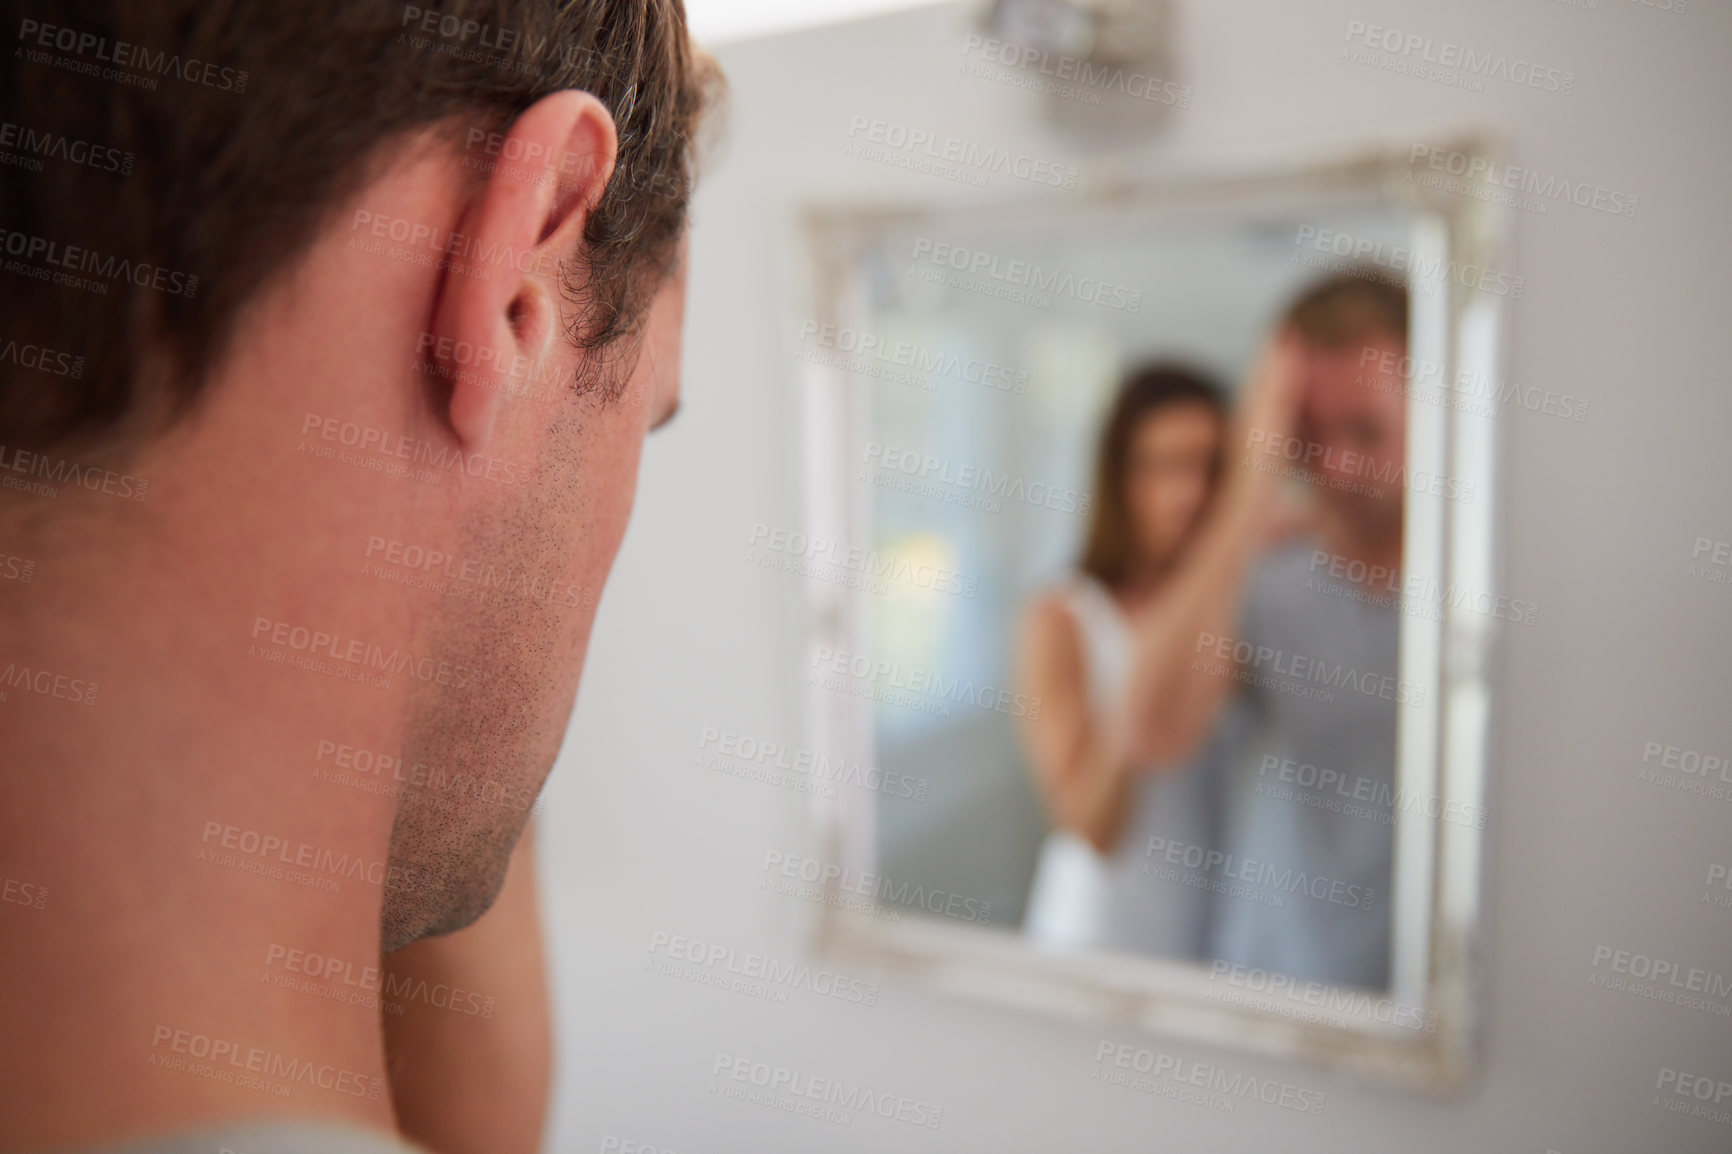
point(1600, 520)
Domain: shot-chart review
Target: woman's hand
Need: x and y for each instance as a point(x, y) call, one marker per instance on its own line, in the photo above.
point(1171, 707)
point(1271, 404)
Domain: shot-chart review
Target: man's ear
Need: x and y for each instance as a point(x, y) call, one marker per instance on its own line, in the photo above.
point(499, 294)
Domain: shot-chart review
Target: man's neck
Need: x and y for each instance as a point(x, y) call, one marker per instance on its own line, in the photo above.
point(1378, 545)
point(192, 865)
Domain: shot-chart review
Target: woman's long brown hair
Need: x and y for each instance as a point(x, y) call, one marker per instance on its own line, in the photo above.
point(1109, 549)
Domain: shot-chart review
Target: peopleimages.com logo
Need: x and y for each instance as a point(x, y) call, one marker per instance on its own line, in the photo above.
point(1431, 58)
point(47, 683)
point(878, 887)
point(990, 268)
point(1426, 271)
point(894, 675)
point(866, 347)
point(863, 562)
point(1311, 1001)
point(800, 1088)
point(1472, 169)
point(965, 153)
point(915, 471)
point(1112, 1059)
point(292, 637)
point(146, 65)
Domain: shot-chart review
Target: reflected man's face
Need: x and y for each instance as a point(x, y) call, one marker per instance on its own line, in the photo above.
point(1358, 417)
point(1170, 475)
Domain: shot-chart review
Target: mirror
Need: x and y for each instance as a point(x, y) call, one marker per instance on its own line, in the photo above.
point(1149, 537)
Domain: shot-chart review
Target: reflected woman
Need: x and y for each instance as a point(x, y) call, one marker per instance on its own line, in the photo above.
point(1171, 537)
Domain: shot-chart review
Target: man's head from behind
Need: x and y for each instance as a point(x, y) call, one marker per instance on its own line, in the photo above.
point(381, 299)
point(1352, 408)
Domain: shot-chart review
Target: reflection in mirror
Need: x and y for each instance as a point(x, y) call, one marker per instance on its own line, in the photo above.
point(1153, 590)
point(1156, 510)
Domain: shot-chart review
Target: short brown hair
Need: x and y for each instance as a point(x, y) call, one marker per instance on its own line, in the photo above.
point(1348, 307)
point(230, 131)
point(1109, 545)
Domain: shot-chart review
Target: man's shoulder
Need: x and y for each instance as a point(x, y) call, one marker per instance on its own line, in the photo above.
point(266, 1137)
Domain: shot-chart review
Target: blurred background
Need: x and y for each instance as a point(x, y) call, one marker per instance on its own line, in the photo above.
point(1601, 520)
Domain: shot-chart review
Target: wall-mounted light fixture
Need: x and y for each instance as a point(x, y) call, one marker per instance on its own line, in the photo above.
point(1106, 66)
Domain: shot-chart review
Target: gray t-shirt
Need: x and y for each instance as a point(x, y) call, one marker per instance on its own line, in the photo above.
point(266, 1137)
point(1309, 799)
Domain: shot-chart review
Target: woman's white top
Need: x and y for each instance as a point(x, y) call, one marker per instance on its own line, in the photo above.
point(1129, 899)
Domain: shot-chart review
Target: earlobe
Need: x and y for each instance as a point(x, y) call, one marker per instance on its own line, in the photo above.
point(499, 298)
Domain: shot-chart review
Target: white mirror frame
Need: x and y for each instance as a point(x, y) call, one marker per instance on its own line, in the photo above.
point(1443, 751)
